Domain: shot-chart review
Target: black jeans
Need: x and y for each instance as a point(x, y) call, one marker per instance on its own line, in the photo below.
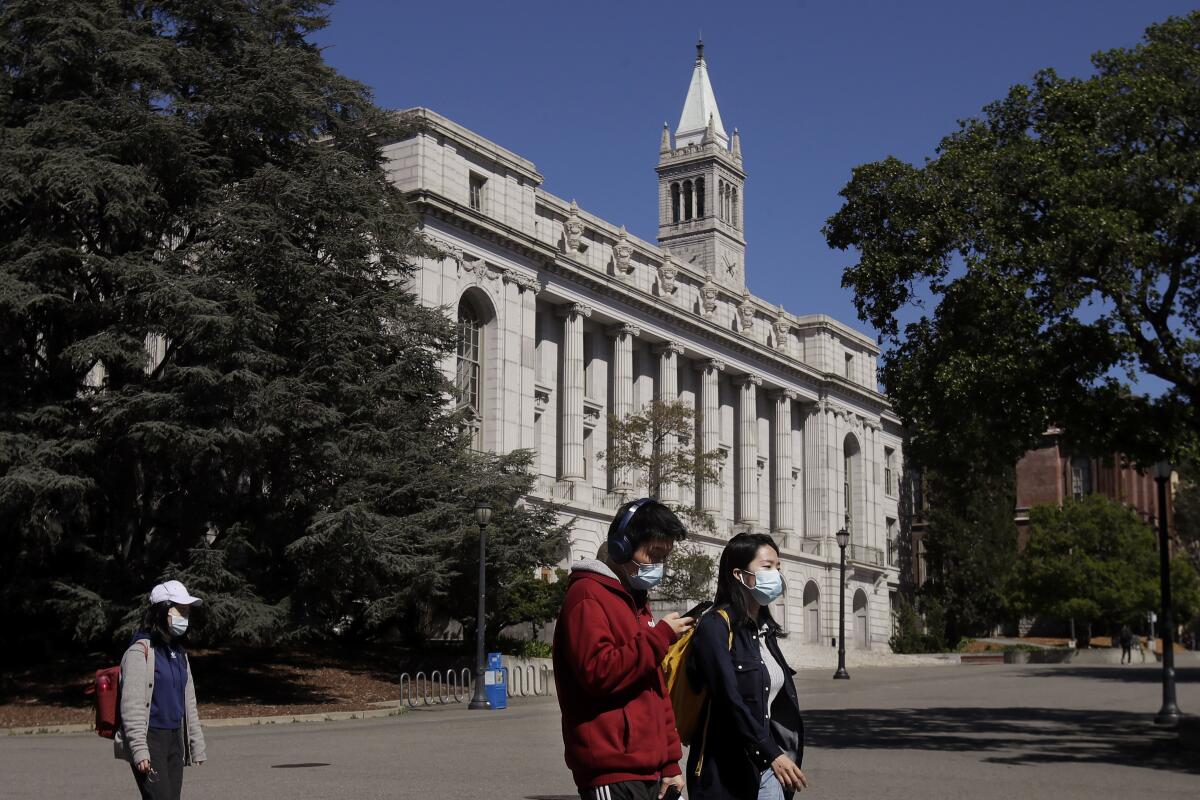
point(165, 780)
point(626, 790)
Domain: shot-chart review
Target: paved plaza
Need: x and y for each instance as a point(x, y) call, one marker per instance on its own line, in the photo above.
point(935, 732)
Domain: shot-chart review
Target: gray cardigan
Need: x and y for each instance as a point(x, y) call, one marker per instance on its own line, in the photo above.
point(137, 691)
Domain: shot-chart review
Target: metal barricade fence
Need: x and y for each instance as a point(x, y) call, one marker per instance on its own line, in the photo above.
point(530, 680)
point(442, 687)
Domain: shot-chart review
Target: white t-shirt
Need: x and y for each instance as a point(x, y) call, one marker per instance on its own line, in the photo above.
point(773, 668)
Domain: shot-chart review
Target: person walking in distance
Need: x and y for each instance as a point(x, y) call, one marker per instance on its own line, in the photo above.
point(1126, 645)
point(617, 724)
point(160, 724)
point(751, 738)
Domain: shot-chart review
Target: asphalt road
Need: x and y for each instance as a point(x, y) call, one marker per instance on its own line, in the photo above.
point(937, 732)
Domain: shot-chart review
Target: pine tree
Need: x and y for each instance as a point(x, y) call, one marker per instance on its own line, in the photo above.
point(205, 329)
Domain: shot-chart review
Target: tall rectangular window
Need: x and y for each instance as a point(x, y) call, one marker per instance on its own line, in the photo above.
point(849, 366)
point(478, 185)
point(889, 474)
point(1081, 478)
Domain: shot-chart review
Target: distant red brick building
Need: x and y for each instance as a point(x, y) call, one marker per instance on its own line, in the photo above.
point(1051, 475)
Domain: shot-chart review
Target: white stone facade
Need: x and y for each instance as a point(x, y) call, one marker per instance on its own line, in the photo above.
point(578, 319)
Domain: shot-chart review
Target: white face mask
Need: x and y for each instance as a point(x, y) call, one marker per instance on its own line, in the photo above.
point(179, 625)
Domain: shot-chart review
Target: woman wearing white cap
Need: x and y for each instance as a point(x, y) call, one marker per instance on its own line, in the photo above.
point(160, 725)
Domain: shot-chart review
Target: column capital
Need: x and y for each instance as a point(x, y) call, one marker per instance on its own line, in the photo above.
point(780, 395)
point(624, 329)
point(573, 310)
point(748, 379)
point(710, 363)
point(670, 347)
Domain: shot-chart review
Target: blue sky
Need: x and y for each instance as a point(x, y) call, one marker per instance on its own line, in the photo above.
point(815, 88)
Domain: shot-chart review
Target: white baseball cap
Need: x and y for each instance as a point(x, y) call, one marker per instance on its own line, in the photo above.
point(173, 592)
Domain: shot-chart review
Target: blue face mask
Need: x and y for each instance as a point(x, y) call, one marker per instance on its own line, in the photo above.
point(647, 577)
point(768, 586)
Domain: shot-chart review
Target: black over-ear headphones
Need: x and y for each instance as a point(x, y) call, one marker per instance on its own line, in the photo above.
point(620, 548)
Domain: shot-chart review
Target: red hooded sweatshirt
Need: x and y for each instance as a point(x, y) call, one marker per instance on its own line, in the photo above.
point(617, 721)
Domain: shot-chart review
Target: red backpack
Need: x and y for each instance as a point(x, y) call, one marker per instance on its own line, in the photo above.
point(106, 691)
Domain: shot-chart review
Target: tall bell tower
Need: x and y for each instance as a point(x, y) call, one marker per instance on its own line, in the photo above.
point(700, 187)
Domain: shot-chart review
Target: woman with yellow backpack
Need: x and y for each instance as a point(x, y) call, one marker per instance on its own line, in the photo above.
point(749, 740)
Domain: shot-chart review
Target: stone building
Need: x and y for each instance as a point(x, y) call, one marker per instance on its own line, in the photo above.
point(566, 318)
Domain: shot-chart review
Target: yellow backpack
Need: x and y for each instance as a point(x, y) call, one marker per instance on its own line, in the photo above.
point(687, 703)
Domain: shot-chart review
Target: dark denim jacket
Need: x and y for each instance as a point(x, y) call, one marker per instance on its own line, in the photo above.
point(742, 739)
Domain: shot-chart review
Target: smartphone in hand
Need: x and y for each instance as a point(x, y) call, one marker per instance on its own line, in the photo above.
point(673, 791)
point(695, 613)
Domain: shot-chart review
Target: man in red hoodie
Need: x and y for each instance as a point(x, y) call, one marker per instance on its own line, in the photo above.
point(618, 727)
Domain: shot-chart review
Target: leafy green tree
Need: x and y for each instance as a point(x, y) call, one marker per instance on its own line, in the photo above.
point(1187, 516)
point(1092, 560)
point(970, 548)
point(1056, 236)
point(917, 632)
point(205, 329)
point(639, 454)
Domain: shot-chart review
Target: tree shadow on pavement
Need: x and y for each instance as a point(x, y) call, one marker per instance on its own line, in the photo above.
point(1149, 673)
point(1014, 736)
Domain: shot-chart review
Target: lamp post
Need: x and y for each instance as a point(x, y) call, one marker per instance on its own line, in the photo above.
point(843, 539)
point(483, 515)
point(1169, 713)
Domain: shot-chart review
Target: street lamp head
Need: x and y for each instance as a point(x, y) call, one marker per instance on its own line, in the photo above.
point(1162, 470)
point(483, 513)
point(843, 537)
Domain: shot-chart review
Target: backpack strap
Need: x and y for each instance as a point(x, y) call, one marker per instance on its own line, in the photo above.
point(708, 711)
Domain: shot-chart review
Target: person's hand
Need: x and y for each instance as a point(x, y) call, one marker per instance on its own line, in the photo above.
point(789, 775)
point(679, 624)
point(143, 766)
point(676, 781)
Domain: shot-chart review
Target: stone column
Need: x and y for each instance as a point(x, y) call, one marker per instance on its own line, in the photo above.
point(816, 473)
point(622, 388)
point(571, 389)
point(748, 448)
point(668, 392)
point(782, 518)
point(710, 428)
point(529, 289)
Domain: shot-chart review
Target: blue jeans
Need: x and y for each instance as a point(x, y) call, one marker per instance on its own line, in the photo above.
point(769, 787)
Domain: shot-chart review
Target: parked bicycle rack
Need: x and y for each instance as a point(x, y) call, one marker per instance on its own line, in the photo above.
point(442, 687)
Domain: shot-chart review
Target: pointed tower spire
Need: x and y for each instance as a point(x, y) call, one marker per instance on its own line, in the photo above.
point(699, 107)
point(665, 145)
point(737, 144)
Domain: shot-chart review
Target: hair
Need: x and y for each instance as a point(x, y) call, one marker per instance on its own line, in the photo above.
point(652, 520)
point(156, 623)
point(732, 593)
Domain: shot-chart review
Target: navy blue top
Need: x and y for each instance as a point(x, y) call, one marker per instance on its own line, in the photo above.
point(170, 681)
point(744, 734)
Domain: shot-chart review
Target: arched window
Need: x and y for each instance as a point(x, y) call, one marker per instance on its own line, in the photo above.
point(812, 613)
point(687, 200)
point(862, 621)
point(470, 368)
point(734, 216)
point(675, 203)
point(699, 198)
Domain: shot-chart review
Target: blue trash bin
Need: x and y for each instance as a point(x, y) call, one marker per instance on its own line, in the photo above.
point(495, 680)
